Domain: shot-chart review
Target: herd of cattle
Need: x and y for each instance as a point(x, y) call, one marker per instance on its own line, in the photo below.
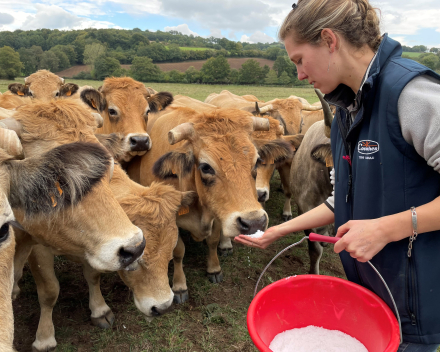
point(107, 176)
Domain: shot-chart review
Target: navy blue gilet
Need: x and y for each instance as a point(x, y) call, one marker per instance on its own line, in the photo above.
point(386, 177)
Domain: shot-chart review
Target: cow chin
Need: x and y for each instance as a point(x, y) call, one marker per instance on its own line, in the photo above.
point(152, 307)
point(118, 254)
point(239, 223)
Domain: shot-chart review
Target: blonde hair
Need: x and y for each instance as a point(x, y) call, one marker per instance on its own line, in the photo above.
point(356, 20)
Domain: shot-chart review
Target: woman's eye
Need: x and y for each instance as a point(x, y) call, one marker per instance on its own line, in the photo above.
point(112, 112)
point(206, 169)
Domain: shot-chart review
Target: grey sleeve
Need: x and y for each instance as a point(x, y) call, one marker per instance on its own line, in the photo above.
point(330, 202)
point(419, 116)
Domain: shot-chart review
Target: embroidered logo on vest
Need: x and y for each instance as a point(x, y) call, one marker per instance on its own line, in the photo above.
point(368, 147)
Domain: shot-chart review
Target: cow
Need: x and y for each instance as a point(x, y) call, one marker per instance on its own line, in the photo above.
point(124, 105)
point(43, 85)
point(310, 176)
point(212, 154)
point(72, 183)
point(229, 100)
point(10, 102)
point(153, 209)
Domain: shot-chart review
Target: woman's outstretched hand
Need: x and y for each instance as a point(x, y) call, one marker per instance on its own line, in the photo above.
point(270, 236)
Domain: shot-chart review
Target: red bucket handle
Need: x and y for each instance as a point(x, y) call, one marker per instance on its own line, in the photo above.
point(314, 237)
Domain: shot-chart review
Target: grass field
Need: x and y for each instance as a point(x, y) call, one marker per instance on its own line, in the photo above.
point(201, 91)
point(411, 54)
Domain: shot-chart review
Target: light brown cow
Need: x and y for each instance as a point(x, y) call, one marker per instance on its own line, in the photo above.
point(228, 100)
point(89, 222)
point(154, 210)
point(9, 101)
point(212, 154)
point(310, 177)
point(43, 85)
point(125, 105)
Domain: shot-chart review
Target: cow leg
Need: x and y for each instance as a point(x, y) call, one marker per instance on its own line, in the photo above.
point(225, 246)
point(179, 280)
point(102, 315)
point(215, 274)
point(315, 253)
point(284, 172)
point(48, 288)
point(23, 247)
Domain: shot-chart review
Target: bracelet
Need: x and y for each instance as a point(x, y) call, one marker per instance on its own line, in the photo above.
point(413, 237)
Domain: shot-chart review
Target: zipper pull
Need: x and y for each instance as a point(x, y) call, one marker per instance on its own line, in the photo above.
point(349, 188)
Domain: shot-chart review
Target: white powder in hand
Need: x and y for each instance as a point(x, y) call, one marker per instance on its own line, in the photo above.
point(257, 234)
point(315, 339)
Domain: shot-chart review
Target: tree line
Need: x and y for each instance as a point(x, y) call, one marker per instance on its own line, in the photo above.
point(58, 50)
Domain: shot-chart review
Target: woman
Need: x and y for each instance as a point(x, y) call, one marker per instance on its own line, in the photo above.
point(386, 152)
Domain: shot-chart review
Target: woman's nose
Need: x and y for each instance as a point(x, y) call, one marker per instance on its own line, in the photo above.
point(301, 75)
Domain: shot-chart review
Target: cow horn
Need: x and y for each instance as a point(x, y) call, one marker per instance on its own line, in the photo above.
point(62, 80)
point(181, 132)
point(25, 79)
point(11, 124)
point(261, 123)
point(10, 142)
point(280, 129)
point(310, 107)
point(257, 108)
point(266, 108)
point(328, 115)
point(98, 118)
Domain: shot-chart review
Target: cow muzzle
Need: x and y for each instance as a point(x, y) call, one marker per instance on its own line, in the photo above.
point(128, 255)
point(140, 143)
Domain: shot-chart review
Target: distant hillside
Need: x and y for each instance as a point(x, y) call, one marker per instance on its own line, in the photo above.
point(180, 66)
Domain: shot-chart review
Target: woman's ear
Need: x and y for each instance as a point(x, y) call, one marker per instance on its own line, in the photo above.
point(330, 39)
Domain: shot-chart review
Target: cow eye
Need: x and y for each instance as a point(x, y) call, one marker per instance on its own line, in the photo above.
point(4, 232)
point(112, 112)
point(206, 169)
point(30, 94)
point(258, 163)
point(58, 94)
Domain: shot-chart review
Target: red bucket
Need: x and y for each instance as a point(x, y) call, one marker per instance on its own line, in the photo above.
point(324, 301)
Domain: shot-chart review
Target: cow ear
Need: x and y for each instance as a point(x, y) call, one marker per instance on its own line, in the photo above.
point(274, 152)
point(323, 154)
point(159, 101)
point(294, 140)
point(177, 163)
point(94, 99)
point(68, 89)
point(19, 89)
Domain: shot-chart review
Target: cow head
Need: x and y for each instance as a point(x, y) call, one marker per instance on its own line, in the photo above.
point(60, 193)
point(43, 85)
point(124, 105)
point(216, 153)
point(275, 150)
point(154, 210)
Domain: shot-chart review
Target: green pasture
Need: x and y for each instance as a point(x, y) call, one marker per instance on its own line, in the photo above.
point(201, 91)
point(412, 54)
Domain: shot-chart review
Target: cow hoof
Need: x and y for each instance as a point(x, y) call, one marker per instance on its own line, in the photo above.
point(104, 322)
point(180, 296)
point(47, 345)
point(215, 278)
point(224, 252)
point(287, 217)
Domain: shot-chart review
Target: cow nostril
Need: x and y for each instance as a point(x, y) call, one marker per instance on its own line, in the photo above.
point(139, 143)
point(242, 224)
point(129, 254)
point(133, 141)
point(155, 312)
point(262, 196)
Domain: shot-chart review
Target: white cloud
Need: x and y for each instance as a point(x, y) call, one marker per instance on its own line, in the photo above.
point(216, 33)
point(257, 37)
point(6, 18)
point(182, 28)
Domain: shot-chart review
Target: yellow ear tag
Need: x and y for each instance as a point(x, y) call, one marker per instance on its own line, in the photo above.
point(54, 202)
point(20, 93)
point(69, 93)
point(93, 103)
point(183, 210)
point(263, 162)
point(57, 185)
point(329, 161)
point(173, 171)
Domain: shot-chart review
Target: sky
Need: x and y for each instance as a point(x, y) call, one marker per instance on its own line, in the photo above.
point(410, 22)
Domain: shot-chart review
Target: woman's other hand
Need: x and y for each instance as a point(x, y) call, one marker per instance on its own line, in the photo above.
point(271, 235)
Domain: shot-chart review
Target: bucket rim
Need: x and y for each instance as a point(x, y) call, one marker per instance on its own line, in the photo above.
point(258, 342)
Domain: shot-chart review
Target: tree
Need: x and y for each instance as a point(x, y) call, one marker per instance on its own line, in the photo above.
point(144, 70)
point(283, 64)
point(271, 78)
point(192, 75)
point(49, 61)
point(284, 79)
point(92, 52)
point(176, 76)
point(433, 50)
point(250, 72)
point(234, 76)
point(10, 64)
point(215, 70)
point(432, 61)
point(63, 60)
point(273, 52)
point(105, 67)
